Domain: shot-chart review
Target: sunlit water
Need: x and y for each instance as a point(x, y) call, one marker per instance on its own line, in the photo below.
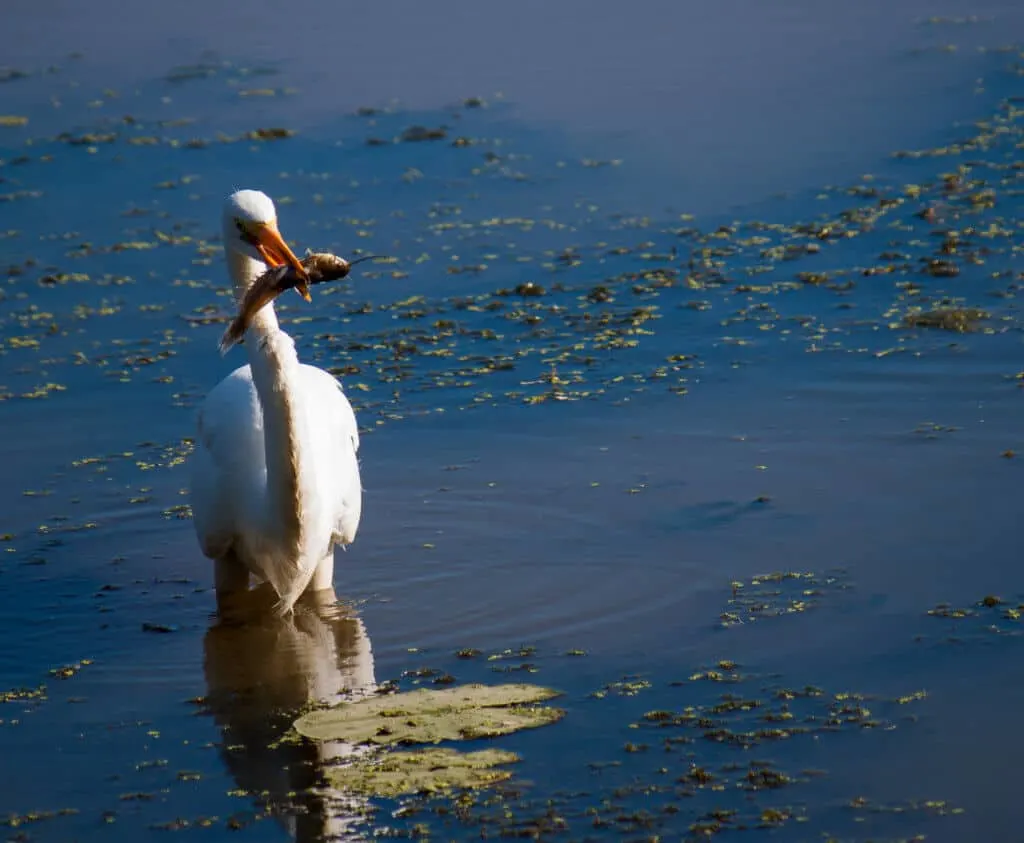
point(592, 469)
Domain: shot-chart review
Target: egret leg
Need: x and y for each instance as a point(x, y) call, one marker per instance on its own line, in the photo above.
point(323, 576)
point(230, 577)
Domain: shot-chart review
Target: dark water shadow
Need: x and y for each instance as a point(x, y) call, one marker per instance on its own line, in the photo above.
point(260, 671)
point(712, 514)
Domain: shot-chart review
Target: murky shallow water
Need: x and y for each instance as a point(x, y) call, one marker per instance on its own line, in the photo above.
point(685, 407)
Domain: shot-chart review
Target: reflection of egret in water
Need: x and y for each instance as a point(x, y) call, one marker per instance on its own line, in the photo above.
point(258, 673)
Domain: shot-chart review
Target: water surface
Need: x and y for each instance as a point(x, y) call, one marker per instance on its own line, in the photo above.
point(604, 468)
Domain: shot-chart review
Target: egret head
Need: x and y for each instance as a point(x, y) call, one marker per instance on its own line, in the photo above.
point(250, 230)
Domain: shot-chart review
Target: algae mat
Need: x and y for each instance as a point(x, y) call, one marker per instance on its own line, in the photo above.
point(427, 716)
point(423, 771)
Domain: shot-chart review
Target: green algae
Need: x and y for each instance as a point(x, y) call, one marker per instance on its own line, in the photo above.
point(780, 593)
point(466, 712)
point(427, 716)
point(422, 771)
point(957, 319)
point(990, 616)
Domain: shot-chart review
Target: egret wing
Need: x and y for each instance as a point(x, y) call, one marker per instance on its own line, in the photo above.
point(337, 438)
point(228, 465)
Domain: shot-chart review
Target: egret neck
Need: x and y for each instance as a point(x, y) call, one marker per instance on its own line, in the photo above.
point(275, 371)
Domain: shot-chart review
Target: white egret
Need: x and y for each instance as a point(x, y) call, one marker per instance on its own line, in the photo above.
point(275, 477)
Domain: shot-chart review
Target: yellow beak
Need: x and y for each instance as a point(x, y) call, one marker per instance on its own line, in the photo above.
point(275, 252)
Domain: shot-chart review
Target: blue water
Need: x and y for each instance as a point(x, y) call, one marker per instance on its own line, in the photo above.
point(589, 469)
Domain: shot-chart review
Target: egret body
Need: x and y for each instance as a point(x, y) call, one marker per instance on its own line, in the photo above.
point(275, 478)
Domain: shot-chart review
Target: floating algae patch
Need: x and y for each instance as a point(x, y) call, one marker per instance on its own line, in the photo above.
point(702, 763)
point(422, 771)
point(957, 319)
point(428, 716)
point(990, 616)
point(780, 593)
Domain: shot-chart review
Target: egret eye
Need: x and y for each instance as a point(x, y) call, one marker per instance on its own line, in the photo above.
point(245, 233)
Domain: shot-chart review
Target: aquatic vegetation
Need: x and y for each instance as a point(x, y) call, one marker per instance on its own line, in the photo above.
point(780, 593)
point(422, 133)
point(17, 820)
point(37, 694)
point(422, 771)
point(989, 616)
point(423, 716)
point(960, 320)
point(462, 713)
point(698, 766)
point(628, 686)
point(69, 670)
point(604, 303)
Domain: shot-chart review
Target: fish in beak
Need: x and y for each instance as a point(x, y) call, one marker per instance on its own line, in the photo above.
point(275, 252)
point(315, 268)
